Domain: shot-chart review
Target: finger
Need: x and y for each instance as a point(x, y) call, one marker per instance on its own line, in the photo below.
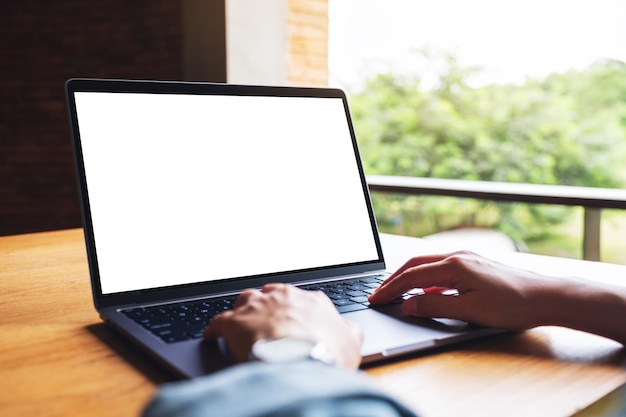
point(435, 274)
point(272, 287)
point(413, 262)
point(215, 327)
point(245, 297)
point(434, 305)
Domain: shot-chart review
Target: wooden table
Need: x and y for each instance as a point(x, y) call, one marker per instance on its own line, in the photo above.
point(58, 359)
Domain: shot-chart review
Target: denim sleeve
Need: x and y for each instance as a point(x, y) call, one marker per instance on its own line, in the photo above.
point(305, 389)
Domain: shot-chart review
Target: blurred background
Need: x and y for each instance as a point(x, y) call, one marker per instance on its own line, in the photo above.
point(518, 91)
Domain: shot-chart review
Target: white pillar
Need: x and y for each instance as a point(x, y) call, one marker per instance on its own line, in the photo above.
point(257, 42)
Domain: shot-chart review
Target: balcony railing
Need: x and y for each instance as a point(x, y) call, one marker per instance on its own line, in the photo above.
point(593, 200)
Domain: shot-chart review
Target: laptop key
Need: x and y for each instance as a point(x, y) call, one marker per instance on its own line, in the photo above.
point(342, 302)
point(157, 326)
point(338, 296)
point(175, 337)
point(358, 287)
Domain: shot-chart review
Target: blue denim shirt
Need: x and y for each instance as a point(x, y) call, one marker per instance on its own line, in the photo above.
point(303, 389)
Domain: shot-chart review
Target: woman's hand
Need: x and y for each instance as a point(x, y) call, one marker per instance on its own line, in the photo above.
point(489, 293)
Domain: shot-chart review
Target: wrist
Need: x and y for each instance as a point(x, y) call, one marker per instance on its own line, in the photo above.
point(552, 301)
point(583, 305)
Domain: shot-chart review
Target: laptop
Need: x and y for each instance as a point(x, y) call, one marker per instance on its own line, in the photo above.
point(193, 192)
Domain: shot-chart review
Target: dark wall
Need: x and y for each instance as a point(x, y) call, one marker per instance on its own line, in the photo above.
point(42, 44)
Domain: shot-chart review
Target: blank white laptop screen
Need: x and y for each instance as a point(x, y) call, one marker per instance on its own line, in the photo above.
point(194, 188)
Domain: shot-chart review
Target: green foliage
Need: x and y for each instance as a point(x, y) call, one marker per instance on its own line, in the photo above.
point(567, 129)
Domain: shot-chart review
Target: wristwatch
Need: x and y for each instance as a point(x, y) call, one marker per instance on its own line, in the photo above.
point(290, 349)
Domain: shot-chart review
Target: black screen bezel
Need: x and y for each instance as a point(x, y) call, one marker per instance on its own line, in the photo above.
point(75, 85)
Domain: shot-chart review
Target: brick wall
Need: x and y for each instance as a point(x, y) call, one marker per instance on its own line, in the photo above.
point(43, 43)
point(307, 31)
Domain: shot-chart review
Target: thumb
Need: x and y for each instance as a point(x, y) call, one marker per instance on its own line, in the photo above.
point(432, 305)
point(215, 328)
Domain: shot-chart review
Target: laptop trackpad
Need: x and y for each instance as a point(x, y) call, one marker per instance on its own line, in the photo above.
point(389, 332)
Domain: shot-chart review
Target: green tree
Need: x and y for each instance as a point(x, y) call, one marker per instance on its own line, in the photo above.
point(565, 129)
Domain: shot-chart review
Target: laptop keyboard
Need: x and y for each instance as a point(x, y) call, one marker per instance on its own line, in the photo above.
point(187, 320)
point(350, 295)
point(179, 321)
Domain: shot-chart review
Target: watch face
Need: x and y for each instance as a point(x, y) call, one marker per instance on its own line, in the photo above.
point(287, 349)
